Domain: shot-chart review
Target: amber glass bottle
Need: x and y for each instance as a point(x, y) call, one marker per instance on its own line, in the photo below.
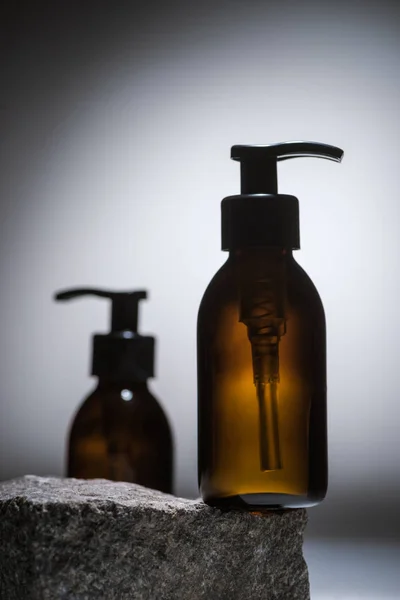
point(120, 431)
point(261, 351)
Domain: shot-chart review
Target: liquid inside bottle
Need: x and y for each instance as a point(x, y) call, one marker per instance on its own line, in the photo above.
point(262, 384)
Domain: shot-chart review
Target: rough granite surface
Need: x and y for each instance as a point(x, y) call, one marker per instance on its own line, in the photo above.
point(69, 539)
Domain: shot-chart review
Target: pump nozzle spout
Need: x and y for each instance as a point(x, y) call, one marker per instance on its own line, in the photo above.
point(125, 305)
point(258, 164)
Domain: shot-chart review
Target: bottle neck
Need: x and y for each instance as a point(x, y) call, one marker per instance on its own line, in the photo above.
point(260, 253)
point(133, 386)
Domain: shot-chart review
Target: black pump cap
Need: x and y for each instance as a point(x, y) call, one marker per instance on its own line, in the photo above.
point(259, 216)
point(123, 354)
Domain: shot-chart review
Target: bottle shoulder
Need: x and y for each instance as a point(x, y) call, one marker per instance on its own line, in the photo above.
point(124, 403)
point(304, 285)
point(90, 404)
point(223, 278)
point(223, 291)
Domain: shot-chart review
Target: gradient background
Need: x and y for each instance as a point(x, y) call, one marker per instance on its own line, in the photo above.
point(116, 125)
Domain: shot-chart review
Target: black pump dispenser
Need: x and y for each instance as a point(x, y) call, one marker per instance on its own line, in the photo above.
point(122, 354)
point(259, 216)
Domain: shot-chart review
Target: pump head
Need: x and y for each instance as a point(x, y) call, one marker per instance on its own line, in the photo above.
point(124, 305)
point(123, 354)
point(259, 216)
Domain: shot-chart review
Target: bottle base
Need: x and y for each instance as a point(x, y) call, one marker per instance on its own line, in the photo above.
point(263, 502)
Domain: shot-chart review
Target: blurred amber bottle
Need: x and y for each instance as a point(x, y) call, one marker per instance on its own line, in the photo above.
point(120, 432)
point(262, 351)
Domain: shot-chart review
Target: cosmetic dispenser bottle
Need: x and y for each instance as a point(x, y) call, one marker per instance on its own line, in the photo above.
point(261, 350)
point(120, 432)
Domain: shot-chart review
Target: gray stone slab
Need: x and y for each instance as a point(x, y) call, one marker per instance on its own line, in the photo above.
point(69, 539)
